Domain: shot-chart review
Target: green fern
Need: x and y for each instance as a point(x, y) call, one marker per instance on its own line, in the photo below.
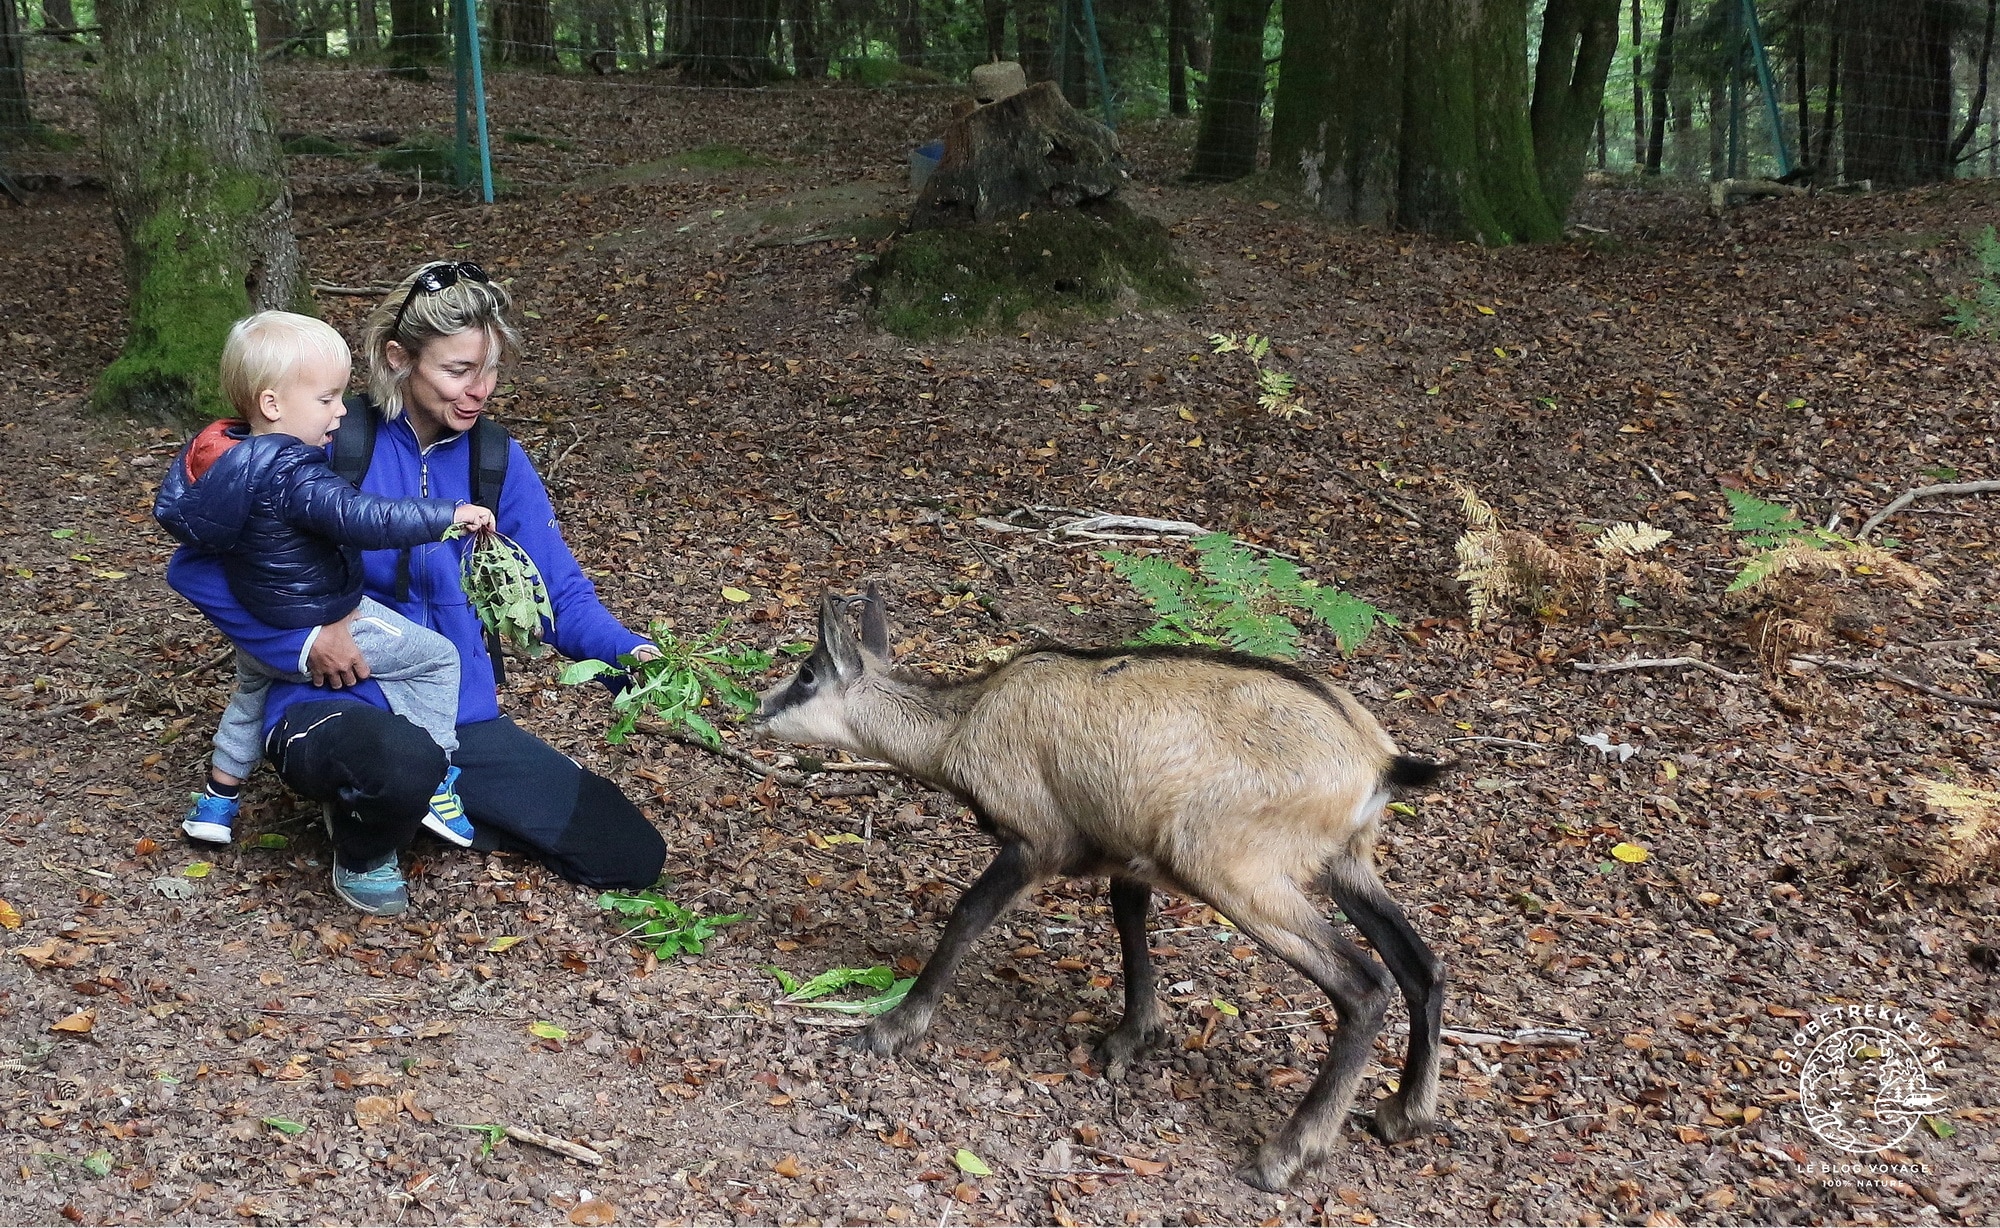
point(1979, 316)
point(1771, 529)
point(1236, 598)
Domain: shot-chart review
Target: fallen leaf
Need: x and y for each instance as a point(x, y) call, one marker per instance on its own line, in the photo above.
point(284, 1125)
point(1144, 1167)
point(594, 1211)
point(503, 943)
point(1631, 854)
point(548, 1031)
point(788, 1168)
point(146, 847)
point(80, 1023)
point(8, 917)
point(736, 595)
point(370, 1111)
point(971, 1165)
point(197, 869)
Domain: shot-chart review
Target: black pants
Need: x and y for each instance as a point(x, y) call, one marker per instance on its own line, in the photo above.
point(522, 795)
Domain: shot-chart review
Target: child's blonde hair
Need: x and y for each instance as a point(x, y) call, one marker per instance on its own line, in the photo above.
point(463, 306)
point(264, 348)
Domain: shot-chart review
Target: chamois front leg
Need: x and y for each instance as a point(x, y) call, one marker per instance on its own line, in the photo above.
point(1011, 873)
point(1141, 1027)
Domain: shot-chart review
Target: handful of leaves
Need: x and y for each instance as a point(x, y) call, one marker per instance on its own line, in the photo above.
point(506, 590)
point(673, 687)
point(662, 926)
point(890, 989)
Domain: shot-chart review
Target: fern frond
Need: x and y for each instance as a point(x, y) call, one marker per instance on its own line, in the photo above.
point(1630, 540)
point(1262, 635)
point(1973, 839)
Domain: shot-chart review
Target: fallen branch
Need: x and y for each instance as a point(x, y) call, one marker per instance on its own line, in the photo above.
point(1868, 670)
point(1519, 1036)
point(742, 759)
point(1512, 742)
point(561, 1146)
point(1924, 492)
point(352, 291)
point(1706, 667)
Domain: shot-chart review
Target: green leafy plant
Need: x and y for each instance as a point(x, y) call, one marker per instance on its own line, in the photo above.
point(890, 989)
point(506, 590)
point(1780, 538)
point(673, 687)
point(490, 1134)
point(1238, 599)
point(1277, 391)
point(1979, 315)
point(664, 927)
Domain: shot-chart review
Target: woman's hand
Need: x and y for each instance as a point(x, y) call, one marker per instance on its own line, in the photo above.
point(334, 660)
point(646, 652)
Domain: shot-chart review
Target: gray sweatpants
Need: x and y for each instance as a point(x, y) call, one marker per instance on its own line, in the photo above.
point(416, 668)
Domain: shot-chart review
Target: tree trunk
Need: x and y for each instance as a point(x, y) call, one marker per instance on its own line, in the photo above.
point(1177, 32)
point(1413, 114)
point(808, 51)
point(994, 13)
point(524, 32)
point(1034, 22)
point(1896, 99)
point(1663, 79)
point(1823, 159)
point(57, 15)
point(1638, 84)
point(1232, 107)
point(1965, 134)
point(415, 37)
point(198, 192)
point(1579, 39)
point(274, 27)
point(17, 122)
point(728, 42)
point(910, 32)
point(367, 32)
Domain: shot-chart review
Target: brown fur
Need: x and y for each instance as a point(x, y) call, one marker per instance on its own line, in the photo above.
point(1225, 778)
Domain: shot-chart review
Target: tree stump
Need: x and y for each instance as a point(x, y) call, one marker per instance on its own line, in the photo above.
point(1028, 151)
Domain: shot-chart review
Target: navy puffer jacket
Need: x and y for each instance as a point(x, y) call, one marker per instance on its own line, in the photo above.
point(290, 531)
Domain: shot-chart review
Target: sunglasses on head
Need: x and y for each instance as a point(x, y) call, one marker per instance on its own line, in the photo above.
point(435, 277)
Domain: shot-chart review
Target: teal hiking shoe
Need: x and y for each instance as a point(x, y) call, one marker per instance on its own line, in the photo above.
point(378, 889)
point(446, 817)
point(210, 818)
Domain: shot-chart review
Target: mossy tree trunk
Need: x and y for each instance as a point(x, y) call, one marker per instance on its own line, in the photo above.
point(728, 42)
point(524, 32)
point(17, 123)
point(1895, 97)
point(416, 37)
point(1579, 39)
point(198, 192)
point(1232, 106)
point(1412, 113)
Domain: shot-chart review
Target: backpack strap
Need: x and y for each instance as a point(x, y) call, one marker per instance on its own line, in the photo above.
point(490, 449)
point(354, 443)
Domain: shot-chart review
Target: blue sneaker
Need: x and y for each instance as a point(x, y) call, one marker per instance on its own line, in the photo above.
point(446, 818)
point(378, 890)
point(209, 819)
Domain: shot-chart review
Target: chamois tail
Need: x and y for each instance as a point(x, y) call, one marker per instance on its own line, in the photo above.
point(1409, 772)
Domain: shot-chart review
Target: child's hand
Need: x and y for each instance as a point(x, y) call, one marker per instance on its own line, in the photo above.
point(473, 518)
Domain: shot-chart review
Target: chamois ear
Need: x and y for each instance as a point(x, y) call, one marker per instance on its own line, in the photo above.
point(875, 623)
point(836, 637)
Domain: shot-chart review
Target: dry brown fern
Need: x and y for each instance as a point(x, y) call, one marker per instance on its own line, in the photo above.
point(1971, 843)
point(1503, 567)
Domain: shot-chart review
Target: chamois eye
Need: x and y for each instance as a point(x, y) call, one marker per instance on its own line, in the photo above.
point(806, 677)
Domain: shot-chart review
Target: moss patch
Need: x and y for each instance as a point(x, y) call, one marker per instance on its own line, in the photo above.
point(1049, 267)
point(536, 138)
point(316, 146)
point(436, 159)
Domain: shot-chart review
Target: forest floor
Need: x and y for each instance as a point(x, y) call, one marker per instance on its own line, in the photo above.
point(712, 410)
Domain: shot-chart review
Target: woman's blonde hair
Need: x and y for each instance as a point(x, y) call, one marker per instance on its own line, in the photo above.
point(263, 349)
point(464, 305)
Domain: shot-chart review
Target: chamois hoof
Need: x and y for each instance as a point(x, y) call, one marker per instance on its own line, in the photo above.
point(883, 1041)
point(1395, 1123)
point(1116, 1051)
point(1272, 1169)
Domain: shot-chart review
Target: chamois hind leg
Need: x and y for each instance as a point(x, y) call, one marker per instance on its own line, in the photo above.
point(1289, 924)
point(1412, 1110)
point(1141, 1028)
point(1010, 874)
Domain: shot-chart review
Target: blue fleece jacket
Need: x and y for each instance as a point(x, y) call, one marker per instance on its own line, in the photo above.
point(401, 469)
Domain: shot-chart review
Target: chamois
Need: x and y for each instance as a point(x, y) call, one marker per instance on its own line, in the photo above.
point(1228, 778)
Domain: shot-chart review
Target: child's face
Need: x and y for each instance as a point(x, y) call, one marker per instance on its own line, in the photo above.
point(306, 403)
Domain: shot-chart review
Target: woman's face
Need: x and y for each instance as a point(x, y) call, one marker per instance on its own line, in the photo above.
point(448, 390)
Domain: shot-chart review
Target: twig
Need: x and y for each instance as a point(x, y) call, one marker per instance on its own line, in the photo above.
point(1408, 513)
point(1654, 474)
point(1519, 1036)
point(1866, 669)
point(1924, 492)
point(320, 287)
point(100, 698)
point(561, 1146)
point(742, 759)
point(858, 765)
point(1693, 635)
point(1514, 742)
point(822, 525)
point(1661, 663)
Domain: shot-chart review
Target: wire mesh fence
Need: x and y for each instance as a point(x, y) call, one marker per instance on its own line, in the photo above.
point(1891, 92)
